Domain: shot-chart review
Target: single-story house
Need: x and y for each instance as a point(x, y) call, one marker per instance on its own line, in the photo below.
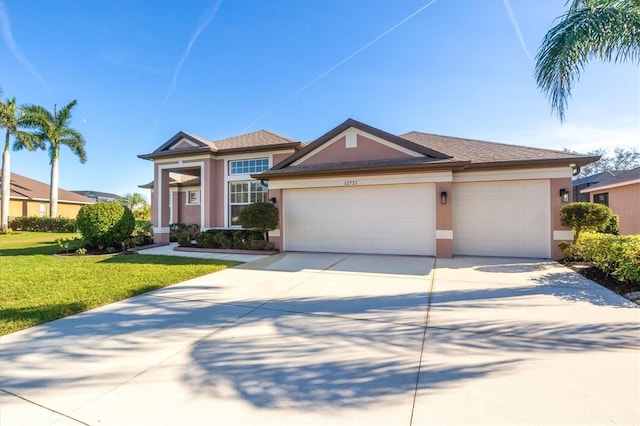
point(29, 197)
point(584, 182)
point(358, 189)
point(620, 190)
point(99, 197)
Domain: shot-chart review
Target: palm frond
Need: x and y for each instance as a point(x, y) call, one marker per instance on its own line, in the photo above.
point(27, 140)
point(608, 30)
point(74, 140)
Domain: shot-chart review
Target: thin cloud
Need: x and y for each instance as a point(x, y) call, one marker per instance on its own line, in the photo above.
point(7, 35)
point(339, 64)
point(205, 20)
point(136, 66)
point(517, 28)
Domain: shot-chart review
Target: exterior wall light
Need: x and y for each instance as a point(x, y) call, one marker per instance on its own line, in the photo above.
point(564, 195)
point(273, 200)
point(443, 197)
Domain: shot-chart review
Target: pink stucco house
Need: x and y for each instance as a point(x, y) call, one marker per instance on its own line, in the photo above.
point(358, 189)
point(620, 190)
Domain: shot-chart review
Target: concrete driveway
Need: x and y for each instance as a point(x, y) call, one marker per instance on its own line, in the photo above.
point(311, 339)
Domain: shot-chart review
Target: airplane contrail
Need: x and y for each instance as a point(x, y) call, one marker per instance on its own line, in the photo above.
point(7, 35)
point(334, 67)
point(517, 28)
point(205, 20)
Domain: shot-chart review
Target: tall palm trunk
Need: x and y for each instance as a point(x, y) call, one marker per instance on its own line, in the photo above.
point(53, 195)
point(6, 185)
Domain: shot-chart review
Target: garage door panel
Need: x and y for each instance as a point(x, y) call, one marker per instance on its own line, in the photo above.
point(501, 218)
point(393, 219)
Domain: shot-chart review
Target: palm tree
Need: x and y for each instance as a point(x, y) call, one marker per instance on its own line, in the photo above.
point(133, 201)
point(54, 130)
point(137, 204)
point(11, 119)
point(601, 29)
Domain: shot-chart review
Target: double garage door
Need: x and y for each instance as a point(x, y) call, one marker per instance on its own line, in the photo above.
point(388, 219)
point(489, 219)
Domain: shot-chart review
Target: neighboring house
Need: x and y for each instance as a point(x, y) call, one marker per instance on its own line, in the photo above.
point(620, 190)
point(100, 197)
point(29, 197)
point(585, 182)
point(358, 189)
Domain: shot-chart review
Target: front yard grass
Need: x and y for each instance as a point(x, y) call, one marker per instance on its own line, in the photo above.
point(36, 287)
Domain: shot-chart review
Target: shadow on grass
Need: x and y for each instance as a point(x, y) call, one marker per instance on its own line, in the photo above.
point(156, 259)
point(36, 249)
point(34, 315)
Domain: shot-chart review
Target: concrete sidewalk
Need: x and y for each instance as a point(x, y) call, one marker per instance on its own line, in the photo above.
point(168, 250)
point(310, 339)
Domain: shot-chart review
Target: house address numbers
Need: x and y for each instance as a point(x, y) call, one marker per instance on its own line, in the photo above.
point(350, 182)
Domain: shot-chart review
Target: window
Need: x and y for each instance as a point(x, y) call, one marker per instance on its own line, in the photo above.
point(245, 167)
point(43, 209)
point(601, 198)
point(193, 197)
point(242, 194)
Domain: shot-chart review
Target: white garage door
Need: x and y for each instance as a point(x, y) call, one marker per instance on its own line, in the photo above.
point(386, 219)
point(501, 218)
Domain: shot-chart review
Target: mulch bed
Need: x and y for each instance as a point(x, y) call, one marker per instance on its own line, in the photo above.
point(587, 270)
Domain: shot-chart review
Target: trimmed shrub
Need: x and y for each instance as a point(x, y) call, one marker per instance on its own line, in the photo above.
point(618, 255)
point(585, 217)
point(142, 233)
point(228, 238)
point(184, 239)
point(105, 224)
point(262, 217)
point(205, 239)
point(223, 240)
point(43, 224)
point(613, 226)
point(175, 229)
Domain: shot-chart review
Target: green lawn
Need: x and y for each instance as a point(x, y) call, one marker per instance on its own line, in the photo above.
point(36, 287)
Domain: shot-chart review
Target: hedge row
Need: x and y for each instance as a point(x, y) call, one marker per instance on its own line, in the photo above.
point(242, 239)
point(618, 255)
point(43, 224)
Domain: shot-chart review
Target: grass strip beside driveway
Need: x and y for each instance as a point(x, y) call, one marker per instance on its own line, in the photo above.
point(37, 287)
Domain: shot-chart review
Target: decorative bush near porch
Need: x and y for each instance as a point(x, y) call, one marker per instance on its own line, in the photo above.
point(38, 287)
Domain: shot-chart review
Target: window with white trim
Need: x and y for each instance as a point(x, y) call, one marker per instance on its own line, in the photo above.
point(43, 209)
point(193, 197)
point(241, 194)
point(245, 167)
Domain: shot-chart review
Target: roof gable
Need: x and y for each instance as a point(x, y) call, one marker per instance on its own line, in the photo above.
point(353, 142)
point(182, 140)
point(183, 144)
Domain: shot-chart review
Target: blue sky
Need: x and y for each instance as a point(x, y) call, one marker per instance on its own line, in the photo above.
point(144, 70)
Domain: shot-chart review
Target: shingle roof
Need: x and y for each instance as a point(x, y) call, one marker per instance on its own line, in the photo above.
point(261, 139)
point(23, 187)
point(459, 153)
point(253, 139)
point(614, 178)
point(97, 194)
point(478, 151)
